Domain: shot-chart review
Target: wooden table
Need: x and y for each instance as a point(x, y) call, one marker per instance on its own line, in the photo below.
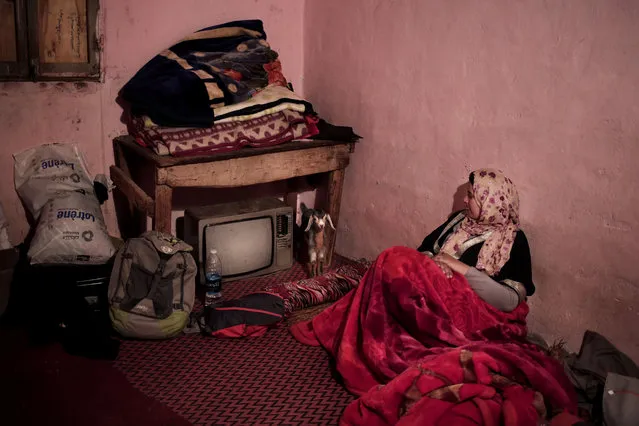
point(244, 167)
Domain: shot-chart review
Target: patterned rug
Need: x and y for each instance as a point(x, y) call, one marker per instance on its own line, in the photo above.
point(269, 380)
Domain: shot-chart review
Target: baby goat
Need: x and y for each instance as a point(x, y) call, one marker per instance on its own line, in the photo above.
point(314, 236)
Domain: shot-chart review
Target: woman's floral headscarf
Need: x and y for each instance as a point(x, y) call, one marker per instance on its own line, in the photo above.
point(499, 216)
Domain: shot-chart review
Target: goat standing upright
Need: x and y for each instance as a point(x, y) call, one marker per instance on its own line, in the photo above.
point(314, 236)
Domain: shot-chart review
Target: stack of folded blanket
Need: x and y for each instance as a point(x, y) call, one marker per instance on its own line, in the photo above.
point(217, 90)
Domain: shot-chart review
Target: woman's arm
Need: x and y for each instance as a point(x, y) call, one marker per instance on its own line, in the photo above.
point(500, 296)
point(454, 264)
point(518, 270)
point(492, 292)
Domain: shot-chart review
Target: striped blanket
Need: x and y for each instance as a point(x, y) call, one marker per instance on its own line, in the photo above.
point(321, 289)
point(272, 129)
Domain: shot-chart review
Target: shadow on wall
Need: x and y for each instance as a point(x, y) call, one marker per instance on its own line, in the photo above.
point(458, 198)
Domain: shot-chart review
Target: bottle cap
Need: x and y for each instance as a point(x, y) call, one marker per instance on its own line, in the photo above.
point(213, 251)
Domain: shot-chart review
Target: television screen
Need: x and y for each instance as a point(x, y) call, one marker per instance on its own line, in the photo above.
point(243, 246)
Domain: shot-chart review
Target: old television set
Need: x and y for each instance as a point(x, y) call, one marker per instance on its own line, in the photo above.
point(252, 237)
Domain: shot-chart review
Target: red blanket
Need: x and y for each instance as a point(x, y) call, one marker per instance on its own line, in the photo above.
point(407, 325)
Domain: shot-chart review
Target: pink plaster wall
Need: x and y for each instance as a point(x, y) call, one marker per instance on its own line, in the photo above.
point(546, 91)
point(134, 31)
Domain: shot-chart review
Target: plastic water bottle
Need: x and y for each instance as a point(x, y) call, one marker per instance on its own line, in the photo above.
point(213, 274)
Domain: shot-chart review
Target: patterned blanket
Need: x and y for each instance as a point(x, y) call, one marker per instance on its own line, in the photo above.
point(321, 289)
point(215, 67)
point(268, 130)
point(479, 384)
point(420, 348)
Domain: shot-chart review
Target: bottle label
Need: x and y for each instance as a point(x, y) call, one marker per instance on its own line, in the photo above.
point(213, 282)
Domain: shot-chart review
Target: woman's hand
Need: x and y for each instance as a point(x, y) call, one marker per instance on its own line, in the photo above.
point(451, 264)
point(444, 267)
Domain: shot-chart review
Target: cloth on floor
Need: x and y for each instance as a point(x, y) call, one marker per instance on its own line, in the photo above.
point(268, 130)
point(248, 316)
point(215, 67)
point(589, 368)
point(406, 330)
point(621, 400)
point(328, 131)
point(477, 384)
point(328, 287)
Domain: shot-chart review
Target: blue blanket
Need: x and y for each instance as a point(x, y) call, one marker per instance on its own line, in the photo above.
point(216, 66)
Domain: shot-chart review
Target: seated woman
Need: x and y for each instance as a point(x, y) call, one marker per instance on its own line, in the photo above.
point(473, 289)
point(438, 336)
point(484, 242)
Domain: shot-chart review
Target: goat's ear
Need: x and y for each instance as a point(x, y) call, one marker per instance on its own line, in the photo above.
point(330, 222)
point(310, 223)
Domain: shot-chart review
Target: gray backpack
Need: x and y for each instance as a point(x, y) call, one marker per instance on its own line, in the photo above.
point(152, 287)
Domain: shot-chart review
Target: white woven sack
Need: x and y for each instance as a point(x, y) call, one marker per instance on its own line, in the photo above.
point(71, 230)
point(47, 171)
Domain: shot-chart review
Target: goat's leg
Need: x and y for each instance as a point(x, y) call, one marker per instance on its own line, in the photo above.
point(321, 259)
point(312, 264)
point(313, 269)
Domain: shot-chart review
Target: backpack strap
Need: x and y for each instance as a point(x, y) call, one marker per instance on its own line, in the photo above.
point(162, 309)
point(183, 267)
point(182, 283)
point(124, 255)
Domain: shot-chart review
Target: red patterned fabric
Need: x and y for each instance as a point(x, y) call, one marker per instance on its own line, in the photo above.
point(275, 75)
point(272, 129)
point(479, 384)
point(407, 324)
point(328, 287)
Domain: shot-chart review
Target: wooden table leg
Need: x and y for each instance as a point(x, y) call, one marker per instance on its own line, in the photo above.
point(163, 204)
point(333, 200)
point(131, 203)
